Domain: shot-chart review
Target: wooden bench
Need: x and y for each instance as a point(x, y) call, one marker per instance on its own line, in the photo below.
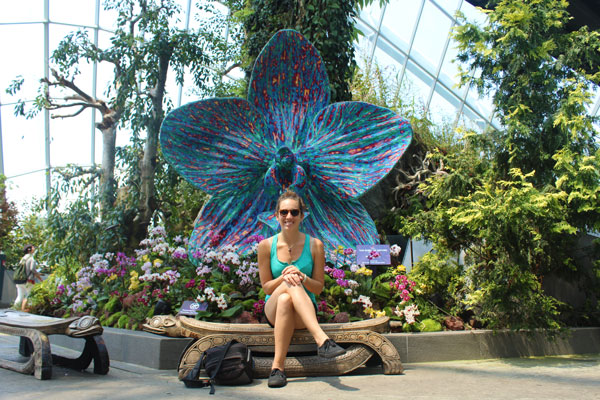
point(34, 343)
point(362, 339)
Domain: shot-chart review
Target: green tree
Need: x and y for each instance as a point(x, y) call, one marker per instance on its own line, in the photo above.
point(147, 46)
point(513, 201)
point(540, 77)
point(8, 222)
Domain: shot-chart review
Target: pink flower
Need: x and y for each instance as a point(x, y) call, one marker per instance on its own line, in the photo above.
point(259, 307)
point(190, 284)
point(224, 267)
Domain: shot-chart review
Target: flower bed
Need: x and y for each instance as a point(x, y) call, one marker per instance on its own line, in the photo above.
point(122, 290)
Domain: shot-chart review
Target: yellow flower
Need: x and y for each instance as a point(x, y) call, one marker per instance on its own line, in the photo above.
point(374, 313)
point(112, 277)
point(364, 271)
point(135, 282)
point(340, 250)
point(145, 258)
point(400, 269)
point(157, 263)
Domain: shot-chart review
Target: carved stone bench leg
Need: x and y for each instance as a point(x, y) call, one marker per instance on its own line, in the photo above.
point(94, 349)
point(25, 346)
point(379, 343)
point(40, 361)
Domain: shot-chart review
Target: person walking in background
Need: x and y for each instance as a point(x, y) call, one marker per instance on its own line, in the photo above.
point(24, 276)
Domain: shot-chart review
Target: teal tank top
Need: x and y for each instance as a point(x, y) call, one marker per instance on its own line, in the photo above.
point(304, 264)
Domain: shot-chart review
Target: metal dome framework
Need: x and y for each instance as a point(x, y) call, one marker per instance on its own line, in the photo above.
point(412, 38)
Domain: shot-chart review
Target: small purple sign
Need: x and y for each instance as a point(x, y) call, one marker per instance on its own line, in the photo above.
point(191, 308)
point(373, 254)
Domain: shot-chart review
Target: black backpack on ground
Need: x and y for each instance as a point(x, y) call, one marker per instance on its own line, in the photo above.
point(230, 364)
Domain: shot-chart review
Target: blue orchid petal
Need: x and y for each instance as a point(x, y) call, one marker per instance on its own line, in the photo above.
point(289, 85)
point(338, 222)
point(217, 144)
point(352, 145)
point(268, 218)
point(233, 217)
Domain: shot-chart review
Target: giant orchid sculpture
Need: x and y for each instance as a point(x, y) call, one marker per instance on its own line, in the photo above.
point(286, 135)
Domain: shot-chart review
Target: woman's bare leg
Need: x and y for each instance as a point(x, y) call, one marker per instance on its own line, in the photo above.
point(284, 329)
point(302, 310)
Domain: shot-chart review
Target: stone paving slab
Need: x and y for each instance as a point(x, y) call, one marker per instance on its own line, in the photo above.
point(556, 377)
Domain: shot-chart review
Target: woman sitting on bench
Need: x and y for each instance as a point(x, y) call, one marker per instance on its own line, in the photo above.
point(291, 267)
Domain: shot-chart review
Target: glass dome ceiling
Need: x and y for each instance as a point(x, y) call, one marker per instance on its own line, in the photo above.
point(409, 37)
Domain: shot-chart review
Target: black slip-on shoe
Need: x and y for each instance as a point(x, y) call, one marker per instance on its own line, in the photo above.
point(277, 379)
point(330, 349)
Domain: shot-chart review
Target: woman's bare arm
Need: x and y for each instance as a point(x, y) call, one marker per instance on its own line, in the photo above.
point(264, 268)
point(316, 282)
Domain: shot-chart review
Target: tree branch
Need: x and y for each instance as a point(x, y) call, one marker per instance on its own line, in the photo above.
point(69, 115)
point(229, 69)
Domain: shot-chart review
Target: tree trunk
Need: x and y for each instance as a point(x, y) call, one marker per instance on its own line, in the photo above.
point(108, 184)
point(147, 203)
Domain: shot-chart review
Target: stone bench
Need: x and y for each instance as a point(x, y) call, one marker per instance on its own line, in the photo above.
point(362, 339)
point(34, 343)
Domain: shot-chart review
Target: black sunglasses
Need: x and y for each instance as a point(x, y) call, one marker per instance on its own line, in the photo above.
point(294, 212)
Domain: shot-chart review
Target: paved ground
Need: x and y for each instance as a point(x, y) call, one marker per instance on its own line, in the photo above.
point(573, 377)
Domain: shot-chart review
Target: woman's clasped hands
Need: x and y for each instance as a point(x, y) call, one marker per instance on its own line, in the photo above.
point(292, 275)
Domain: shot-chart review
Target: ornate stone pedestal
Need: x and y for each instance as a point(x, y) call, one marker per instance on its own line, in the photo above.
point(362, 339)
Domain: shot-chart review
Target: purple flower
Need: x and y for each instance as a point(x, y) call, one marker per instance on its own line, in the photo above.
point(180, 252)
point(342, 282)
point(259, 307)
point(337, 273)
point(224, 267)
point(60, 289)
point(253, 239)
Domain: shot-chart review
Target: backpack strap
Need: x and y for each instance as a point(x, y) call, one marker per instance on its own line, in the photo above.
point(222, 357)
point(191, 379)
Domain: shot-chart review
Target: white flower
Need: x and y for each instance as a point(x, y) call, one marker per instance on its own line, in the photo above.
point(410, 312)
point(353, 284)
point(395, 250)
point(158, 231)
point(348, 292)
point(221, 302)
point(203, 270)
point(365, 300)
point(231, 258)
point(210, 256)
